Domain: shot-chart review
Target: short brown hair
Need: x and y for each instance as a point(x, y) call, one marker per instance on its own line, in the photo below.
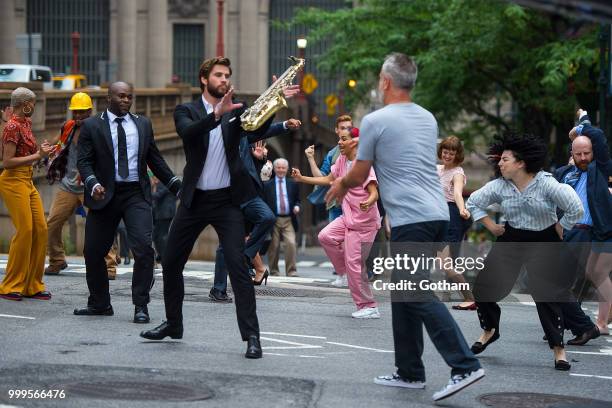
point(208, 65)
point(452, 143)
point(343, 118)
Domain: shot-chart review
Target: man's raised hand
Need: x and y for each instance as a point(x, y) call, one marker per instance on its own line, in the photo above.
point(226, 104)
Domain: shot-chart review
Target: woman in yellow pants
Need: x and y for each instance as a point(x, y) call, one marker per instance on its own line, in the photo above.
point(26, 261)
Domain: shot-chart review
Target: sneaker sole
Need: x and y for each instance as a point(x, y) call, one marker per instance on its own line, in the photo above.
point(467, 384)
point(367, 317)
point(398, 384)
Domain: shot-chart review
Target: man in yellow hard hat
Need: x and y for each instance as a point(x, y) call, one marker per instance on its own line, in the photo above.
point(63, 168)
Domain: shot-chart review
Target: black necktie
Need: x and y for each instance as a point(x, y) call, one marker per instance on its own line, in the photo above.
point(122, 147)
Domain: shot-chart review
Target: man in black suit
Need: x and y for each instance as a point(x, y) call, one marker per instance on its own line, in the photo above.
point(215, 184)
point(115, 149)
point(283, 196)
point(256, 212)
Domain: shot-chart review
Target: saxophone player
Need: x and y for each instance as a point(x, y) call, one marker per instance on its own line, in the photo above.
point(214, 186)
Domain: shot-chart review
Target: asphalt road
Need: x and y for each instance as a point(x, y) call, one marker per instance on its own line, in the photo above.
point(315, 354)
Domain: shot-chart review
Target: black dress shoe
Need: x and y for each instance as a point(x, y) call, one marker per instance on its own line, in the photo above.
point(141, 314)
point(479, 347)
point(562, 365)
point(92, 311)
point(253, 347)
point(584, 338)
point(127, 260)
point(216, 295)
point(162, 331)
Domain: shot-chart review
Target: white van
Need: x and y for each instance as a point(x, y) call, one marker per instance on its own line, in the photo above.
point(27, 73)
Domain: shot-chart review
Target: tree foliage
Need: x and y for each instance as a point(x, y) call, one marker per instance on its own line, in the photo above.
point(470, 53)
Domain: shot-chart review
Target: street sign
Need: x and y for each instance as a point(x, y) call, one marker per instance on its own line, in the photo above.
point(309, 84)
point(331, 101)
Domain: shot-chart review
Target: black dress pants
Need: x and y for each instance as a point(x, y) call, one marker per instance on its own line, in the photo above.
point(212, 207)
point(549, 281)
point(128, 203)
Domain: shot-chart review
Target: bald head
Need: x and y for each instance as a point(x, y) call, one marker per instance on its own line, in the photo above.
point(118, 86)
point(582, 152)
point(120, 96)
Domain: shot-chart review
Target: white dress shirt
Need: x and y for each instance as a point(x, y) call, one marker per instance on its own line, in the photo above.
point(216, 173)
point(131, 133)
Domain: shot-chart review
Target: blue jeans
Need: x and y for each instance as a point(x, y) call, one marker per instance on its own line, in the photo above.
point(408, 318)
point(258, 213)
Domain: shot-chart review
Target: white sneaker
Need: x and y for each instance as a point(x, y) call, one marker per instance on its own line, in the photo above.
point(340, 282)
point(366, 313)
point(395, 380)
point(457, 383)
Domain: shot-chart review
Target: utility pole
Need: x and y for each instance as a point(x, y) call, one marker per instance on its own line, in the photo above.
point(220, 45)
point(76, 38)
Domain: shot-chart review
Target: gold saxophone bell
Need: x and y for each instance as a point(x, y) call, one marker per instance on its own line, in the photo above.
point(272, 100)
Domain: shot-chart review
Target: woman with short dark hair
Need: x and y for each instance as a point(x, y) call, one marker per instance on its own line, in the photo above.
point(529, 198)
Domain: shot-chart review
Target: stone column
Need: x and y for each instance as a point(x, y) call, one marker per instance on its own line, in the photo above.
point(126, 33)
point(8, 32)
point(159, 56)
point(248, 43)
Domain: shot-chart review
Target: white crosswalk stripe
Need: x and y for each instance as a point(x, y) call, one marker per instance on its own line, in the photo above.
point(196, 265)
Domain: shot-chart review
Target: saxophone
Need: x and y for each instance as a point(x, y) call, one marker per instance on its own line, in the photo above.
point(272, 100)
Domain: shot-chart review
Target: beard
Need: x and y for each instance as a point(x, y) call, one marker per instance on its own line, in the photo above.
point(216, 92)
point(583, 165)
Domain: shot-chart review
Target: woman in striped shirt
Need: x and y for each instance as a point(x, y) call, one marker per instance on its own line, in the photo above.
point(531, 237)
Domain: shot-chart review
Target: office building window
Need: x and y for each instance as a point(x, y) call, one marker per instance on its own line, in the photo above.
point(56, 20)
point(188, 52)
point(284, 43)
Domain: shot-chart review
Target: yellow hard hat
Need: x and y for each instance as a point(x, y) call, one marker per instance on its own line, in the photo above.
point(80, 101)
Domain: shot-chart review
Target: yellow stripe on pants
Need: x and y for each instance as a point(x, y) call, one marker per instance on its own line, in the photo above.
point(26, 261)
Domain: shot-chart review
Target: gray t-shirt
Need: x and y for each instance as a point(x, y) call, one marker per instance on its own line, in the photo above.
point(71, 182)
point(401, 140)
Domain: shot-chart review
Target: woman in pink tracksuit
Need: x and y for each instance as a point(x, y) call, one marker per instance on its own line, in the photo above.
point(344, 237)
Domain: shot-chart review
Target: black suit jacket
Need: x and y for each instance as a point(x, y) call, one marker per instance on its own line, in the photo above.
point(96, 160)
point(293, 193)
point(250, 166)
point(193, 125)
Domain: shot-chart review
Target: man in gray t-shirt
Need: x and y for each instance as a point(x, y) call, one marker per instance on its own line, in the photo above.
point(399, 140)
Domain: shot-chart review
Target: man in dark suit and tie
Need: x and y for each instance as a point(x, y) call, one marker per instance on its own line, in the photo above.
point(255, 211)
point(215, 184)
point(115, 148)
point(283, 196)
